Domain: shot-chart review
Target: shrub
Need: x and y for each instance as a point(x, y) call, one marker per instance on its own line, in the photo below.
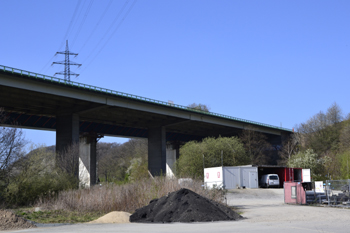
point(36, 175)
point(193, 154)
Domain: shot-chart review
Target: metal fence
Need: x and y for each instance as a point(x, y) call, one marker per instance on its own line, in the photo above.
point(337, 192)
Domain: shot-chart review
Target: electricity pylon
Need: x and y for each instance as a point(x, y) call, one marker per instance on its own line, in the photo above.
point(67, 63)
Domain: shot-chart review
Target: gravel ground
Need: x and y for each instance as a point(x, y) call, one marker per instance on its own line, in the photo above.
point(267, 205)
point(264, 210)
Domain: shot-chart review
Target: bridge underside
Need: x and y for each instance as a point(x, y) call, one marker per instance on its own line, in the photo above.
point(108, 120)
point(72, 111)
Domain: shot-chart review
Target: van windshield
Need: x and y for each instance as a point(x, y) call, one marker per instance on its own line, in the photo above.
point(273, 177)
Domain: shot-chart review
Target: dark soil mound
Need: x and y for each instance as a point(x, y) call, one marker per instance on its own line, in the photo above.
point(10, 221)
point(183, 206)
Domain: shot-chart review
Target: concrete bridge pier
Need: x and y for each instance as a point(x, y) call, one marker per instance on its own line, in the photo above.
point(88, 173)
point(67, 134)
point(172, 154)
point(76, 153)
point(157, 150)
point(162, 156)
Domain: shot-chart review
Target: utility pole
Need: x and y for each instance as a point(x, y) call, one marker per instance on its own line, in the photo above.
point(67, 63)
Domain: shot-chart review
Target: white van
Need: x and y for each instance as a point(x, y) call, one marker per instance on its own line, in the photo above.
point(269, 180)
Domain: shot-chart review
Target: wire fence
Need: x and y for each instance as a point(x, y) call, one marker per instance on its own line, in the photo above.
point(337, 192)
point(121, 94)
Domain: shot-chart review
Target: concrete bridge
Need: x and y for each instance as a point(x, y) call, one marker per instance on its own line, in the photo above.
point(80, 113)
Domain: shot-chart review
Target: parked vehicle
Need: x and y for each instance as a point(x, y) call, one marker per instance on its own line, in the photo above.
point(269, 180)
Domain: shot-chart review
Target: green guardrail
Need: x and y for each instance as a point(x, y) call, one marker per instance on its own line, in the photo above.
point(122, 94)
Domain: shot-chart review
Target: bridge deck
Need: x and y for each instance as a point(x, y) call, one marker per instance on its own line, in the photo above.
point(34, 101)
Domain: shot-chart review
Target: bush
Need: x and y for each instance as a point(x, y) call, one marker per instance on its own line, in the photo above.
point(311, 160)
point(36, 175)
point(193, 154)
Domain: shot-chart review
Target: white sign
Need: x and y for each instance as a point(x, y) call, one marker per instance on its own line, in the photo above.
point(319, 187)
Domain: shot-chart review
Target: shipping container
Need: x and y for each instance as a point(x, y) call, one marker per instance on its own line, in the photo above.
point(248, 176)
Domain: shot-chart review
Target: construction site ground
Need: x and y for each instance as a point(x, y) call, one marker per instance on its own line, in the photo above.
point(264, 211)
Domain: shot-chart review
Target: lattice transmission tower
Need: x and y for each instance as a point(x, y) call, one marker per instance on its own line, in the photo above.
point(67, 63)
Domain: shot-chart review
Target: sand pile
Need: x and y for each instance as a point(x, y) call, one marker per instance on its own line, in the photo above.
point(114, 217)
point(10, 221)
point(184, 206)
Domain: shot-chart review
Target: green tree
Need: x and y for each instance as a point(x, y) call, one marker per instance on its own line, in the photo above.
point(193, 154)
point(309, 159)
point(345, 137)
point(344, 160)
point(201, 107)
point(123, 162)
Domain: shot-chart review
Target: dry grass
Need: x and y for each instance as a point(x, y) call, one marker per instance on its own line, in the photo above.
point(127, 197)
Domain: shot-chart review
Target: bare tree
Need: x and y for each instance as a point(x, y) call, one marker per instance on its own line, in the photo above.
point(68, 161)
point(334, 114)
point(321, 132)
point(111, 164)
point(11, 145)
point(256, 145)
point(289, 147)
point(115, 159)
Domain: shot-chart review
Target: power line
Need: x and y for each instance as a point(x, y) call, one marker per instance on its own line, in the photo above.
point(114, 21)
point(70, 24)
point(64, 38)
point(115, 30)
point(46, 65)
point(83, 21)
point(97, 24)
point(67, 63)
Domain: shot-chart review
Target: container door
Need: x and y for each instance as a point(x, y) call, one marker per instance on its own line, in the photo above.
point(306, 175)
point(253, 180)
point(231, 177)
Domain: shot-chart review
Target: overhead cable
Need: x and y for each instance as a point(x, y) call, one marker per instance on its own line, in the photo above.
point(115, 30)
point(82, 22)
point(108, 30)
point(97, 24)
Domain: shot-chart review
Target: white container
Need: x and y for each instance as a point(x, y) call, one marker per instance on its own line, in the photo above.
point(213, 177)
point(231, 177)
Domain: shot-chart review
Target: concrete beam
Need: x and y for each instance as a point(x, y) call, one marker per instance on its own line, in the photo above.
point(157, 151)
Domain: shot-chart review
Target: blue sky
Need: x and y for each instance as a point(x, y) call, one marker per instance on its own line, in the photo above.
point(274, 62)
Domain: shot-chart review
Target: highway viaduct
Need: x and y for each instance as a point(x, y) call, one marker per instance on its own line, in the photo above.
point(80, 113)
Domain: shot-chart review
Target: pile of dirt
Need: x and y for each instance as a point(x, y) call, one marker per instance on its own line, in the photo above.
point(114, 217)
point(184, 206)
point(10, 221)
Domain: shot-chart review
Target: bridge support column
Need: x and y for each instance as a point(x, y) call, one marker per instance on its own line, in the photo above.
point(67, 134)
point(87, 161)
point(157, 151)
point(172, 154)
